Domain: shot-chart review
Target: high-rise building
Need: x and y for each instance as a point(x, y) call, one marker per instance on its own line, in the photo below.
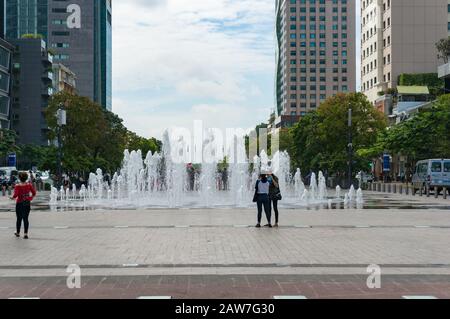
point(32, 87)
point(5, 83)
point(63, 79)
point(84, 45)
point(316, 54)
point(86, 50)
point(397, 37)
point(26, 17)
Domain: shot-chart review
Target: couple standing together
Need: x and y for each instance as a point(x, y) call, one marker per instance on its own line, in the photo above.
point(267, 193)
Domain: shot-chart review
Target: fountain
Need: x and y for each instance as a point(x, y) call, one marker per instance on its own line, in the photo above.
point(338, 192)
point(298, 184)
point(169, 180)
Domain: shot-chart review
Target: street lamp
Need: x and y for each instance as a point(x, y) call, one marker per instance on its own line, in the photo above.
point(61, 121)
point(350, 147)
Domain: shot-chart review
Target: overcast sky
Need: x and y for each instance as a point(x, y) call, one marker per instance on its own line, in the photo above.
point(176, 61)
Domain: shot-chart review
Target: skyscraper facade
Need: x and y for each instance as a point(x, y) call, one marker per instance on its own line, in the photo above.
point(86, 48)
point(32, 88)
point(316, 54)
point(397, 37)
point(5, 83)
point(25, 17)
point(79, 32)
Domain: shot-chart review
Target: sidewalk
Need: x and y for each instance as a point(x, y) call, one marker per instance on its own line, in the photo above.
point(218, 253)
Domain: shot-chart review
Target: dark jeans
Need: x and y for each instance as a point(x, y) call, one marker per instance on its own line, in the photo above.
point(264, 201)
point(274, 202)
point(22, 213)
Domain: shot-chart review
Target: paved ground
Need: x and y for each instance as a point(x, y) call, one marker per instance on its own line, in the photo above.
point(218, 254)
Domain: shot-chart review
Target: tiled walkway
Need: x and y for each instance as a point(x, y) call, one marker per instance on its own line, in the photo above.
point(218, 254)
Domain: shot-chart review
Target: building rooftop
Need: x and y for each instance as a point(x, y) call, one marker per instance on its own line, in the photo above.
point(413, 90)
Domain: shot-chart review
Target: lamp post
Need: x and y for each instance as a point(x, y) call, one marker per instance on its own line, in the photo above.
point(62, 121)
point(350, 147)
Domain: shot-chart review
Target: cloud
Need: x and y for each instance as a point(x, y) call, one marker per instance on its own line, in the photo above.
point(171, 58)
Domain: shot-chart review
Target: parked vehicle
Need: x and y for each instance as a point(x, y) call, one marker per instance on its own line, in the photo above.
point(432, 173)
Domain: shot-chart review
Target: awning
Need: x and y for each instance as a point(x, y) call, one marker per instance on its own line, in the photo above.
point(413, 90)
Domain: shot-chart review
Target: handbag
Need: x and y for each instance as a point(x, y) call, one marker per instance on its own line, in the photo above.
point(276, 195)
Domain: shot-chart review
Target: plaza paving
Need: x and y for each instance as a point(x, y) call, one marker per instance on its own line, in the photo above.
point(317, 253)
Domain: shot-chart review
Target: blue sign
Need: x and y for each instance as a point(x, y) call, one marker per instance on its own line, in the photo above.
point(386, 163)
point(12, 160)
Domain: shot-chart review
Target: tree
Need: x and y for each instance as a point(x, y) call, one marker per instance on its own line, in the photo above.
point(7, 143)
point(443, 47)
point(426, 135)
point(93, 137)
point(135, 142)
point(320, 139)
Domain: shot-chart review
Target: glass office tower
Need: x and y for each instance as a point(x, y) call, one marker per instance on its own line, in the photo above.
point(26, 17)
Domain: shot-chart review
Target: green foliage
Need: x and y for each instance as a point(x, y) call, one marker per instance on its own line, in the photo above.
point(32, 36)
point(426, 135)
point(93, 137)
point(431, 80)
point(43, 157)
point(320, 139)
point(443, 48)
point(7, 142)
point(135, 142)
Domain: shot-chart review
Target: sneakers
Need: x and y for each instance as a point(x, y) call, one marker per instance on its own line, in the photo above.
point(17, 235)
point(258, 226)
point(268, 225)
point(25, 237)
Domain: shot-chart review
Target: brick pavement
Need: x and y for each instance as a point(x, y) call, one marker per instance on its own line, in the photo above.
point(311, 250)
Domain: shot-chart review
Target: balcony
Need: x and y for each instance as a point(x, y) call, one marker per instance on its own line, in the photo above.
point(47, 58)
point(47, 91)
point(47, 76)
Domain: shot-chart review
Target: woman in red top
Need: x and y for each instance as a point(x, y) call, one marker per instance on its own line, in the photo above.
point(23, 194)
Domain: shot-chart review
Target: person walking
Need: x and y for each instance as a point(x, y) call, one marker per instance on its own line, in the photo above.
point(274, 195)
point(262, 199)
point(24, 193)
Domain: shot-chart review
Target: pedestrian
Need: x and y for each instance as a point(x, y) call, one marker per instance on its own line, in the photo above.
point(262, 199)
point(274, 195)
point(24, 193)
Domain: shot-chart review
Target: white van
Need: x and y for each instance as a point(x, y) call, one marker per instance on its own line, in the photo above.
point(432, 173)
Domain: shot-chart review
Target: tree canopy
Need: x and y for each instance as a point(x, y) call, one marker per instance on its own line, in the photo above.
point(93, 137)
point(425, 135)
point(320, 139)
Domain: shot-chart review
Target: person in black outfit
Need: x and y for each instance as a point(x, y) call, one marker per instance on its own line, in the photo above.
point(274, 195)
point(262, 200)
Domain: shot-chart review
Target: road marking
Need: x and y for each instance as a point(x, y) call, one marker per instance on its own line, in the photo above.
point(182, 226)
point(302, 226)
point(362, 226)
point(155, 297)
point(289, 297)
point(61, 227)
point(422, 226)
point(121, 226)
point(419, 297)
